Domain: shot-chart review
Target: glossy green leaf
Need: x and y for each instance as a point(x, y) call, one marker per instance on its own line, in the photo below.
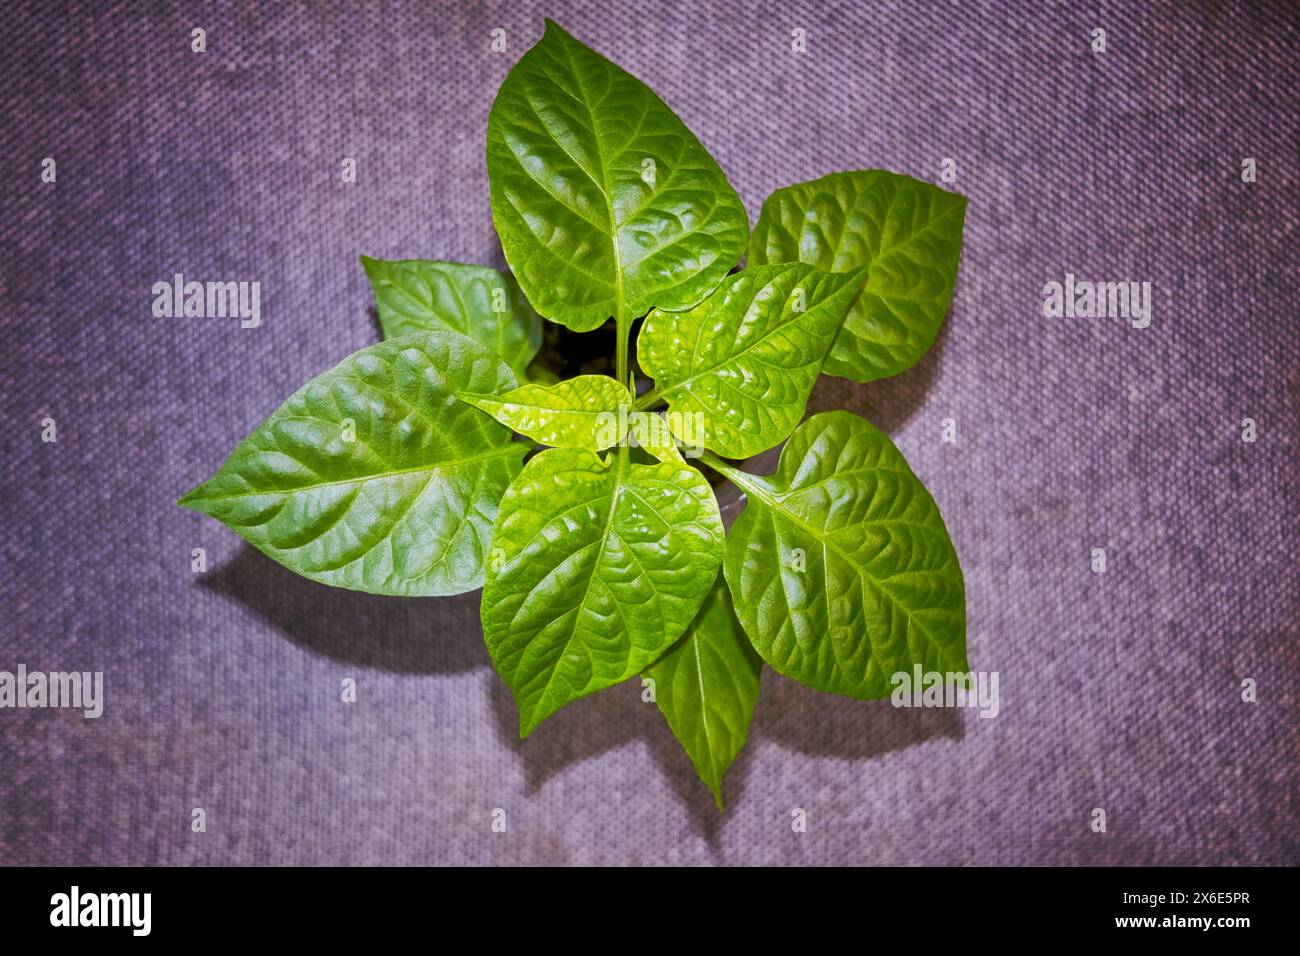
point(651, 432)
point(907, 233)
point(606, 204)
point(597, 568)
point(706, 688)
point(743, 361)
point(840, 565)
point(589, 411)
point(420, 295)
point(372, 476)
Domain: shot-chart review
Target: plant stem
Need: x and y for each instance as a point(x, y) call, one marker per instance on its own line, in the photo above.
point(622, 332)
point(745, 482)
point(622, 328)
point(648, 400)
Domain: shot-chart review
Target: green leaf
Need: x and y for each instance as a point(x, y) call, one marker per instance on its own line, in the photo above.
point(840, 565)
point(907, 233)
point(597, 568)
point(372, 476)
point(606, 204)
point(706, 688)
point(742, 362)
point(589, 411)
point(652, 433)
point(420, 295)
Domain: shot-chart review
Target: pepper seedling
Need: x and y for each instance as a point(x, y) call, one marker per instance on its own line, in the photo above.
point(602, 555)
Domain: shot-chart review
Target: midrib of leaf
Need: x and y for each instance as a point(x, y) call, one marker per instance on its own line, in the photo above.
point(877, 250)
point(604, 538)
point(621, 323)
point(499, 320)
point(775, 501)
point(460, 301)
point(685, 383)
point(557, 408)
point(884, 251)
point(704, 707)
point(378, 476)
point(394, 521)
point(460, 525)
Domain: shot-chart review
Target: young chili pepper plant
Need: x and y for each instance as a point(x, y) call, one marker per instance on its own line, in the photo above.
point(596, 538)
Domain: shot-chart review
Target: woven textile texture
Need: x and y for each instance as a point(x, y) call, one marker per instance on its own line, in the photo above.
point(1120, 691)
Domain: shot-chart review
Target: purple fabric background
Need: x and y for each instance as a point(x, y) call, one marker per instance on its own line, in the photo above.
point(1119, 691)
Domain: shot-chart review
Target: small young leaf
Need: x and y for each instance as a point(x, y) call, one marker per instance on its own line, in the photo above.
point(745, 359)
point(589, 411)
point(604, 201)
point(652, 433)
point(420, 295)
point(706, 687)
point(840, 565)
point(598, 567)
point(372, 476)
point(908, 235)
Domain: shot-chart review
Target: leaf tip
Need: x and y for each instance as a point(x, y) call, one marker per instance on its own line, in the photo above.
point(190, 498)
point(856, 277)
point(474, 400)
point(553, 29)
point(717, 798)
point(530, 718)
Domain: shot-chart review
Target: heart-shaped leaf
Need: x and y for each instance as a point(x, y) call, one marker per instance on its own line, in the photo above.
point(606, 204)
point(420, 295)
point(840, 565)
point(706, 687)
point(597, 568)
point(742, 363)
point(372, 476)
point(908, 235)
point(589, 411)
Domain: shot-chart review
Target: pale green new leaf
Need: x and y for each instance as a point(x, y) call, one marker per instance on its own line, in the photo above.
point(742, 363)
point(907, 233)
point(372, 476)
point(421, 295)
point(652, 433)
point(840, 566)
point(597, 568)
point(589, 411)
point(606, 204)
point(706, 687)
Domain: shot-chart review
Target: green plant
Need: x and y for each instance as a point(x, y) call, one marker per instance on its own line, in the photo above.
point(396, 472)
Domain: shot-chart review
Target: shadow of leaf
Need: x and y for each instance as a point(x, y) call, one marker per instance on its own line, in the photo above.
point(825, 725)
point(788, 713)
point(888, 403)
point(443, 635)
point(606, 721)
point(402, 635)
